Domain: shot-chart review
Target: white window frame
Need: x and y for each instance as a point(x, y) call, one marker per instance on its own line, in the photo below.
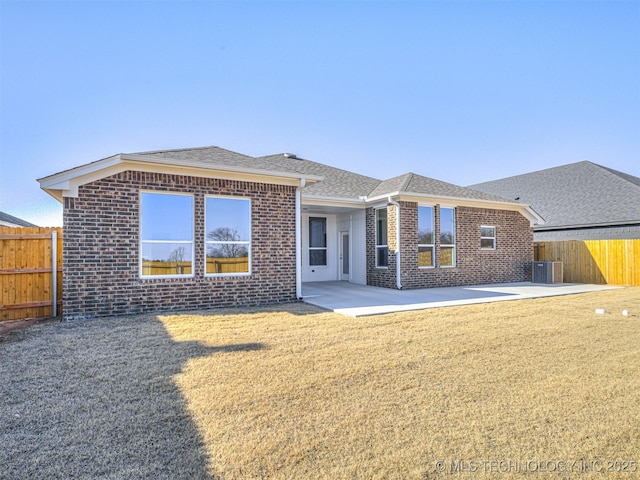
point(492, 238)
point(432, 246)
point(247, 243)
point(142, 241)
point(381, 246)
point(325, 248)
point(451, 246)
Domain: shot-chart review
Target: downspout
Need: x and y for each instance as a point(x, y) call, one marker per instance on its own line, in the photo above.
point(398, 269)
point(299, 188)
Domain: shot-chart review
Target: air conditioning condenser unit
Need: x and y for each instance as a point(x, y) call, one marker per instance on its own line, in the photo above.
point(546, 272)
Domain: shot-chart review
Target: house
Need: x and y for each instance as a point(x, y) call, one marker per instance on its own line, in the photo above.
point(7, 220)
point(205, 227)
point(579, 201)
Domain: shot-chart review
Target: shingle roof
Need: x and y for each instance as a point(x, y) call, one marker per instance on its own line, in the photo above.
point(577, 194)
point(5, 217)
point(337, 183)
point(414, 183)
point(212, 156)
point(323, 180)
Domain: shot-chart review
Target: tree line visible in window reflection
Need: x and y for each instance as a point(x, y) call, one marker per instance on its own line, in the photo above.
point(226, 250)
point(425, 236)
point(446, 238)
point(177, 256)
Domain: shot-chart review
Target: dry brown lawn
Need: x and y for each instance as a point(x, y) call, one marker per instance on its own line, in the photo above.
point(540, 388)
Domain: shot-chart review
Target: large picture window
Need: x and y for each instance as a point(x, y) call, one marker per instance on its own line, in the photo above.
point(227, 235)
point(382, 248)
point(166, 234)
point(447, 237)
point(426, 237)
point(317, 241)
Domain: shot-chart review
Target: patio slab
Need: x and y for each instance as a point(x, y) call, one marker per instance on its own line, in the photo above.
point(360, 300)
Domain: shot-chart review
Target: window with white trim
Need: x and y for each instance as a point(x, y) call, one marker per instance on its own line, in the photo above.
point(426, 237)
point(382, 249)
point(317, 241)
point(487, 237)
point(447, 237)
point(227, 235)
point(166, 234)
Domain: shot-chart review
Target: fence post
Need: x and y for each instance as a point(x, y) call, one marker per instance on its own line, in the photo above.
point(54, 272)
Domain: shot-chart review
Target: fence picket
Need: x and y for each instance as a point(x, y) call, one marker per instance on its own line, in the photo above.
point(614, 262)
point(26, 272)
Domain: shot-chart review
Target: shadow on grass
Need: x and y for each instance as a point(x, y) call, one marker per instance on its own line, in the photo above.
point(298, 308)
point(96, 399)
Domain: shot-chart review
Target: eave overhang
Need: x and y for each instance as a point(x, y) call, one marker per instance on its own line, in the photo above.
point(333, 201)
point(66, 183)
point(526, 210)
point(621, 223)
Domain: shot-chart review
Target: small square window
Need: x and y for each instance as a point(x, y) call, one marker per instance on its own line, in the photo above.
point(487, 238)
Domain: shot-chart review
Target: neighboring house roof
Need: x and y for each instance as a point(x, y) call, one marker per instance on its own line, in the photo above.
point(323, 183)
point(581, 194)
point(11, 221)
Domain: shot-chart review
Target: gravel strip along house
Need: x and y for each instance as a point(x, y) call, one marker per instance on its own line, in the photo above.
point(207, 227)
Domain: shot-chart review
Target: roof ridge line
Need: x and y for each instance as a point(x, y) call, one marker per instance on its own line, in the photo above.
point(410, 176)
point(187, 149)
point(617, 173)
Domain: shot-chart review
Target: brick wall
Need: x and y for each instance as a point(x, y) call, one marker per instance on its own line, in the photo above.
point(101, 248)
point(381, 277)
point(509, 262)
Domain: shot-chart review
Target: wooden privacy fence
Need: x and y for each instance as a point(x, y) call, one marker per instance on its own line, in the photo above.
point(614, 262)
point(30, 272)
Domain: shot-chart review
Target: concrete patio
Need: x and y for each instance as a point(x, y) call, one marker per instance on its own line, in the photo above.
point(360, 300)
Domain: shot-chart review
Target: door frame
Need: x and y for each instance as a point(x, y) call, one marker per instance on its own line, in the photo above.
point(341, 253)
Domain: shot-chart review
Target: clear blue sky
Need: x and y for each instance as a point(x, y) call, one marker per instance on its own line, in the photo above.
point(459, 91)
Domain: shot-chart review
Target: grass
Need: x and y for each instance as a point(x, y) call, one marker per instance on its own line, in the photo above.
point(491, 391)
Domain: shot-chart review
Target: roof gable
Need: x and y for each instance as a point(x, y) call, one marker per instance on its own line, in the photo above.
point(412, 183)
point(204, 162)
point(324, 184)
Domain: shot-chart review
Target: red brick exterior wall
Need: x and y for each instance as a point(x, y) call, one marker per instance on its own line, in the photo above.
point(101, 248)
point(381, 277)
point(509, 262)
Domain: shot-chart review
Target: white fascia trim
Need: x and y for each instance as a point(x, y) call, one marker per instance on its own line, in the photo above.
point(332, 201)
point(65, 184)
point(58, 184)
point(526, 210)
point(587, 225)
point(223, 168)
